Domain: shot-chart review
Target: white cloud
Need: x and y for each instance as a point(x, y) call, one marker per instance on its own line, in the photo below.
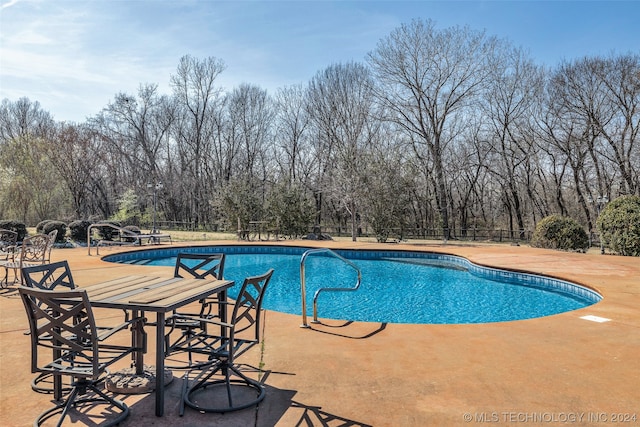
point(9, 4)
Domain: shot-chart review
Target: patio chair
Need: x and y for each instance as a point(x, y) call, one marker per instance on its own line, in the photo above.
point(33, 251)
point(52, 240)
point(231, 389)
point(189, 325)
point(8, 239)
point(63, 330)
point(48, 277)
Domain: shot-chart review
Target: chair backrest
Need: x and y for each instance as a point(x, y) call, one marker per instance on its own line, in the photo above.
point(200, 265)
point(247, 308)
point(8, 239)
point(52, 241)
point(34, 249)
point(48, 276)
point(62, 321)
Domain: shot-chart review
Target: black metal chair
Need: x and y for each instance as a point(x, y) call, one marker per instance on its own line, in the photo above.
point(33, 251)
point(48, 277)
point(231, 389)
point(53, 234)
point(8, 239)
point(63, 329)
point(189, 325)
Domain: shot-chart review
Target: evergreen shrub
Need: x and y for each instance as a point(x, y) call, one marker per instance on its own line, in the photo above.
point(78, 230)
point(558, 232)
point(17, 226)
point(619, 225)
point(49, 226)
point(40, 226)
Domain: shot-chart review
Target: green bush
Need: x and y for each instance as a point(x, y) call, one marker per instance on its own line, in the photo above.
point(17, 226)
point(49, 226)
point(558, 232)
point(78, 230)
point(290, 210)
point(619, 225)
point(40, 226)
point(128, 210)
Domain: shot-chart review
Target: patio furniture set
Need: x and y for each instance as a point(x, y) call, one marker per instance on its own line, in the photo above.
point(34, 250)
point(73, 356)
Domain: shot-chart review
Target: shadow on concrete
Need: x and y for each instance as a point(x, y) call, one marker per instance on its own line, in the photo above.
point(279, 408)
point(346, 333)
point(268, 413)
point(9, 292)
point(313, 416)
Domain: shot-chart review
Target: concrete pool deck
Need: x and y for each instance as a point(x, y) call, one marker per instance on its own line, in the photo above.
point(556, 370)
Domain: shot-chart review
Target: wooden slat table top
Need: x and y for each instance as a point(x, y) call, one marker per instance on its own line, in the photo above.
point(117, 287)
point(168, 290)
point(199, 288)
point(153, 293)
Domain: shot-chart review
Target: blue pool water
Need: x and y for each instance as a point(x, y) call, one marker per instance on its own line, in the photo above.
point(397, 286)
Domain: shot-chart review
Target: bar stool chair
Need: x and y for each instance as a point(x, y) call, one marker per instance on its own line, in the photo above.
point(231, 389)
point(48, 277)
point(190, 326)
point(63, 326)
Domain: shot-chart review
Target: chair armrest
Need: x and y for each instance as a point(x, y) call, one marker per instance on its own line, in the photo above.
point(203, 319)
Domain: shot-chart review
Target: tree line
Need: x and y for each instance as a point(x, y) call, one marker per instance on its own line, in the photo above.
point(447, 129)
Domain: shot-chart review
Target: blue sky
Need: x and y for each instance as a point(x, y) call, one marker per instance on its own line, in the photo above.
point(73, 56)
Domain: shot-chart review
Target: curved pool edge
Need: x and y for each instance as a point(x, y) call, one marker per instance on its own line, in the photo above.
point(587, 294)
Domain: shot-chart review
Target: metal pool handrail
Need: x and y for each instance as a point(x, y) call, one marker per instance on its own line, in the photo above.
point(303, 287)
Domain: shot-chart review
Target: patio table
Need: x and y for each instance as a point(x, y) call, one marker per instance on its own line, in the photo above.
point(160, 295)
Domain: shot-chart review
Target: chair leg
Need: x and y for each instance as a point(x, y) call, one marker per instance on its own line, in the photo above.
point(185, 384)
point(43, 383)
point(80, 388)
point(67, 404)
point(185, 344)
point(15, 276)
point(252, 392)
point(5, 281)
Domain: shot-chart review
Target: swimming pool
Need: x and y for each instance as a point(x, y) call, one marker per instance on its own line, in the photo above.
point(397, 286)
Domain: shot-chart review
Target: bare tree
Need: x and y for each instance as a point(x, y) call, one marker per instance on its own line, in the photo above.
point(135, 134)
point(70, 151)
point(568, 133)
point(468, 175)
point(198, 98)
point(251, 117)
point(620, 79)
point(428, 77)
point(292, 133)
point(515, 86)
point(23, 118)
point(341, 104)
